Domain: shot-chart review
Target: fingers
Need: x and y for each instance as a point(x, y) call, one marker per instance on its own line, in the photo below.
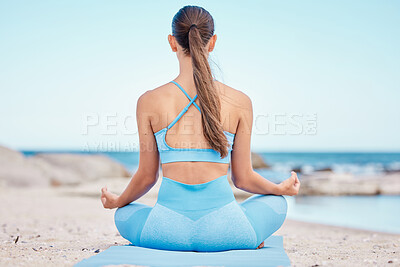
point(104, 192)
point(293, 175)
point(296, 177)
point(292, 178)
point(296, 185)
point(103, 197)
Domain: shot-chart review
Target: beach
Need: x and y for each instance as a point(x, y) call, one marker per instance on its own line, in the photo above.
point(90, 90)
point(48, 226)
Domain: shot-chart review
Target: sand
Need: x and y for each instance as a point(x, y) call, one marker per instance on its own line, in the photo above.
point(61, 226)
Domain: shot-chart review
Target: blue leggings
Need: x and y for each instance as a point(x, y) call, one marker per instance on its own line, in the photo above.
point(201, 217)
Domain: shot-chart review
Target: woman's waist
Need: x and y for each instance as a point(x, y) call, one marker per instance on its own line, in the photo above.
point(182, 196)
point(194, 172)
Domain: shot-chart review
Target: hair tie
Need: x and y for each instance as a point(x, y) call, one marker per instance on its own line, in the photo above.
point(193, 25)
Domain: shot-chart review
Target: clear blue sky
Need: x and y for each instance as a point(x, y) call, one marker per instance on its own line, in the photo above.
point(63, 60)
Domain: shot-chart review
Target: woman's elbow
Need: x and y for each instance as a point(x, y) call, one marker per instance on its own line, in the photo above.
point(147, 176)
point(238, 184)
point(152, 178)
point(241, 180)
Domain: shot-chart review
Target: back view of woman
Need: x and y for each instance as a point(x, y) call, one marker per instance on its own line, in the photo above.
point(196, 126)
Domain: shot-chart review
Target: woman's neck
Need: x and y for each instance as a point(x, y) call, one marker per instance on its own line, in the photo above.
point(186, 73)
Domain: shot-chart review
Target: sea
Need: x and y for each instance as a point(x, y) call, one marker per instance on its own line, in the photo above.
point(376, 213)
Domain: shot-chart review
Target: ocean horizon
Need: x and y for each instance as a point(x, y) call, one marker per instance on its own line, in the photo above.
point(358, 163)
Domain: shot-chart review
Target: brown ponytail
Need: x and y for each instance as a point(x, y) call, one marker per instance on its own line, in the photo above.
point(193, 27)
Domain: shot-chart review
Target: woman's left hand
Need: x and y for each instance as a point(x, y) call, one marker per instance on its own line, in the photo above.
point(290, 186)
point(109, 200)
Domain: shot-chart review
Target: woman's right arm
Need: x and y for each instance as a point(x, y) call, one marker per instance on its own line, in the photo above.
point(243, 175)
point(147, 172)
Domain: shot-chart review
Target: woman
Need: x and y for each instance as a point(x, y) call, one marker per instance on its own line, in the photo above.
point(195, 125)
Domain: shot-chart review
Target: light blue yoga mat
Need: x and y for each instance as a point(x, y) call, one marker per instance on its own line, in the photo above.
point(272, 254)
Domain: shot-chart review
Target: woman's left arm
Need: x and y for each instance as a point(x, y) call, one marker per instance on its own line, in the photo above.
point(147, 173)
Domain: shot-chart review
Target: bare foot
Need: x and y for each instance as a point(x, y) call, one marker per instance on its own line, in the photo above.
point(261, 245)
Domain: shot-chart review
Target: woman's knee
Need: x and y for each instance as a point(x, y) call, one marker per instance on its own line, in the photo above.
point(277, 203)
point(266, 213)
point(279, 207)
point(130, 220)
point(124, 213)
point(121, 218)
point(281, 204)
point(117, 214)
point(121, 214)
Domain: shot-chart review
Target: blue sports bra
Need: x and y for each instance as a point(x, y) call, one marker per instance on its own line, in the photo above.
point(169, 154)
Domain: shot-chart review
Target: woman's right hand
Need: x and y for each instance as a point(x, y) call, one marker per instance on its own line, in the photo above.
point(109, 200)
point(290, 186)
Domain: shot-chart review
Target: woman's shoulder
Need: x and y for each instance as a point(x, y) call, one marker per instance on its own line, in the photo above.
point(233, 96)
point(155, 97)
point(158, 92)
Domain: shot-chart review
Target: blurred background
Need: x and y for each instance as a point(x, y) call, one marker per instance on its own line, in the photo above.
point(323, 77)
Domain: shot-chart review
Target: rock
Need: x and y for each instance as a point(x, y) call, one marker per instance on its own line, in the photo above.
point(55, 168)
point(56, 175)
point(297, 169)
point(70, 169)
point(390, 184)
point(8, 155)
point(328, 183)
point(15, 170)
point(325, 170)
point(258, 162)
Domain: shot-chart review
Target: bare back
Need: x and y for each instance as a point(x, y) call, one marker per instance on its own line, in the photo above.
point(188, 132)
